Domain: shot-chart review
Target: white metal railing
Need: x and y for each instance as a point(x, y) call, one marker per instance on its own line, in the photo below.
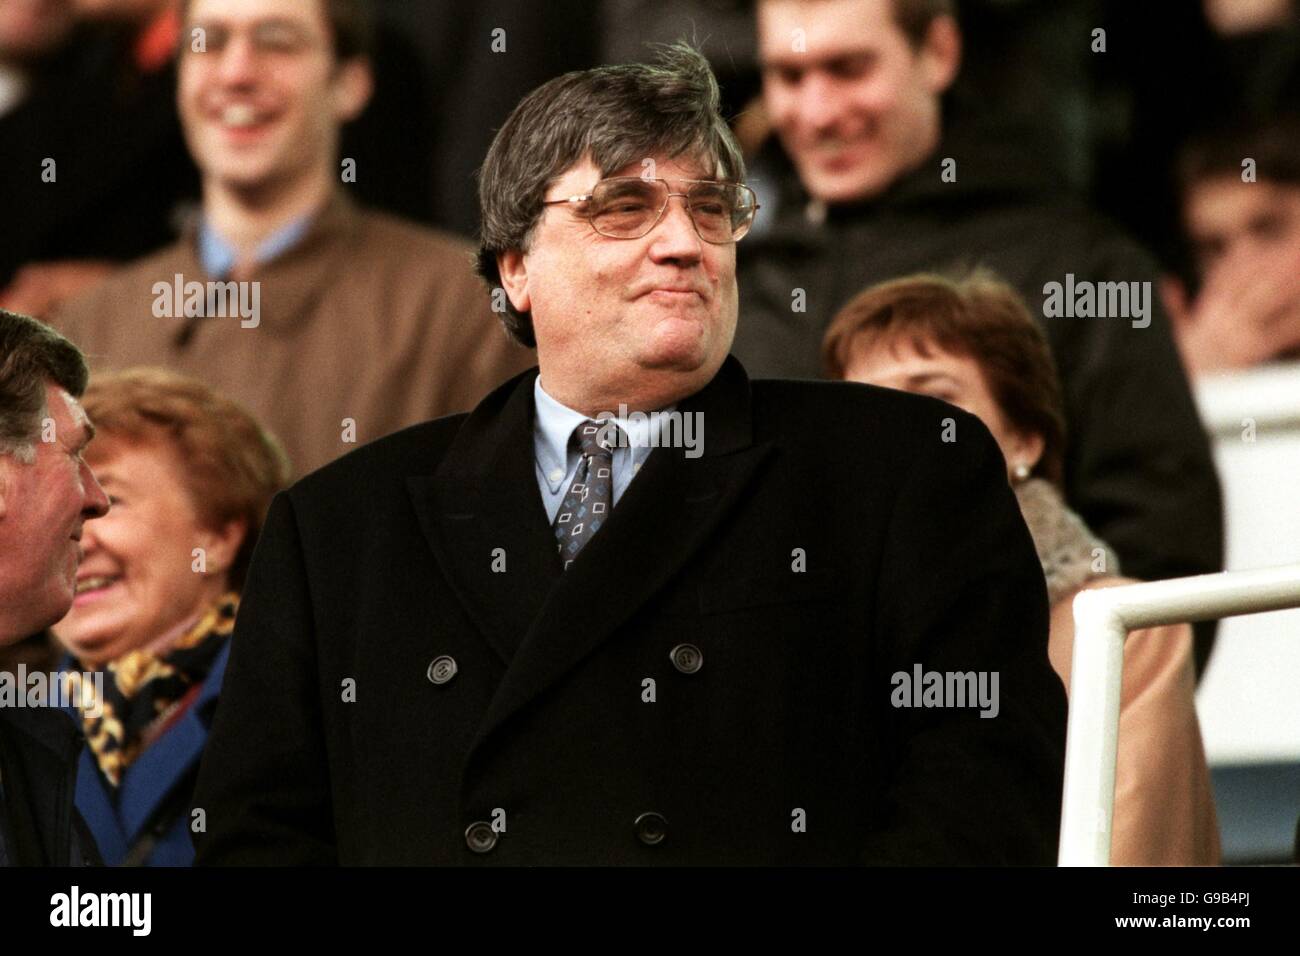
point(1246, 699)
point(1102, 620)
point(1267, 396)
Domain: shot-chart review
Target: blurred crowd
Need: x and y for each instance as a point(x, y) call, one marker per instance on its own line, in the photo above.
point(1148, 125)
point(155, 150)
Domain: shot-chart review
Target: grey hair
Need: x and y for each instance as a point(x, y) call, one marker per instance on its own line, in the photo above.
point(617, 116)
point(32, 354)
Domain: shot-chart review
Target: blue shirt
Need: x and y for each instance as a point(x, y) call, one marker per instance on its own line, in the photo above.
point(218, 256)
point(558, 458)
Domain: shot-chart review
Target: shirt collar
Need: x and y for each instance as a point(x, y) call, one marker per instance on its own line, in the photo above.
point(555, 424)
point(218, 256)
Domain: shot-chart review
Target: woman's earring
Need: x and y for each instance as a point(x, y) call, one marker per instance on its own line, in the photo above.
point(1020, 472)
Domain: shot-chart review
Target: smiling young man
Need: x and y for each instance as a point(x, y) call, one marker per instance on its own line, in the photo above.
point(871, 175)
point(501, 639)
point(853, 88)
point(350, 324)
point(47, 494)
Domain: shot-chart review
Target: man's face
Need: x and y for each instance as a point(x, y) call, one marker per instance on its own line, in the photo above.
point(264, 103)
point(32, 28)
point(45, 504)
point(646, 320)
point(1228, 220)
point(855, 105)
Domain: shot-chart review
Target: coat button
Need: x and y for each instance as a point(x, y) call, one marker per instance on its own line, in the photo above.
point(651, 828)
point(687, 658)
point(480, 837)
point(442, 669)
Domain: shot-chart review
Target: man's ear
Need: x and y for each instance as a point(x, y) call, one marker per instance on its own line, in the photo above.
point(941, 53)
point(354, 83)
point(514, 279)
point(6, 464)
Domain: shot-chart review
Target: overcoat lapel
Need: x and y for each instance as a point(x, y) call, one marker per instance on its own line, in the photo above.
point(482, 498)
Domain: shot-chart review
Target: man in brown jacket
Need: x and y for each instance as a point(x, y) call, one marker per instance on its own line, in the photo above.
point(332, 324)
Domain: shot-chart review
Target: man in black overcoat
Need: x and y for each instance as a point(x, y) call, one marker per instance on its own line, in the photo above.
point(635, 608)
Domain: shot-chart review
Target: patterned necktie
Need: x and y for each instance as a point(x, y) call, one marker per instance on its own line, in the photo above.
point(591, 496)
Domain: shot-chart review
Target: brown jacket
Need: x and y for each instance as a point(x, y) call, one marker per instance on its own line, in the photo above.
point(1164, 806)
point(368, 320)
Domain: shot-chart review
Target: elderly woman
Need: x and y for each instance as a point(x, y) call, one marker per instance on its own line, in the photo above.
point(190, 476)
point(973, 344)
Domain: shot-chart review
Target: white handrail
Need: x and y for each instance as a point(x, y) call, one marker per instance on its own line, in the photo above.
point(1102, 620)
point(1264, 396)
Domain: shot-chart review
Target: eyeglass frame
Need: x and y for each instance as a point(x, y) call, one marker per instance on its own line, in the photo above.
point(571, 200)
point(303, 43)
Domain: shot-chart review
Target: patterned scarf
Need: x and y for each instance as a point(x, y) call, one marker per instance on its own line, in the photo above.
point(1070, 553)
point(144, 693)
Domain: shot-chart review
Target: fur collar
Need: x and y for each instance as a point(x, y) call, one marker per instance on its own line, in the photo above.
point(1070, 553)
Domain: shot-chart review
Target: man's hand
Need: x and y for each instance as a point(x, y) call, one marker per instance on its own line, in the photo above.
point(1247, 313)
point(41, 287)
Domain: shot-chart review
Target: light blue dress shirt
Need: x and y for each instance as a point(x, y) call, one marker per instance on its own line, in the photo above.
point(557, 459)
point(218, 256)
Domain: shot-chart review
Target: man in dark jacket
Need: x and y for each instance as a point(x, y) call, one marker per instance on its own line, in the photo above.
point(571, 627)
point(38, 776)
point(867, 188)
point(46, 493)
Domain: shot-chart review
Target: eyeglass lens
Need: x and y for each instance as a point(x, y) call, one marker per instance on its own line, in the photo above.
point(628, 208)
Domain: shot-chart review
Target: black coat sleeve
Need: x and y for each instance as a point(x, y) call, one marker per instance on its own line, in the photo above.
point(264, 782)
point(961, 590)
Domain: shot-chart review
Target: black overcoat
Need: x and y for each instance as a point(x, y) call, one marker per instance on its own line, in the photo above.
point(710, 682)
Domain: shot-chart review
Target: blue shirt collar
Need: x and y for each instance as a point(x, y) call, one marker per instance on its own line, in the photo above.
point(555, 424)
point(218, 256)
